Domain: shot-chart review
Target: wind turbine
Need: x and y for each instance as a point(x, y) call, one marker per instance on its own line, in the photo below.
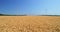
point(46, 12)
point(2, 11)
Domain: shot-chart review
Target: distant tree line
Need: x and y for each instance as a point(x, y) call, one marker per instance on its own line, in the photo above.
point(48, 15)
point(11, 15)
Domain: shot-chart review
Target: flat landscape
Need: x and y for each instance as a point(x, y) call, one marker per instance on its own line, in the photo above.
point(29, 23)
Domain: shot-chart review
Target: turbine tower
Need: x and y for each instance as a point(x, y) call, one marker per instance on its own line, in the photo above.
point(46, 12)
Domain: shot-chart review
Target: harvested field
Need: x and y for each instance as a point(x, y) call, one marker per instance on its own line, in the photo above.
point(29, 24)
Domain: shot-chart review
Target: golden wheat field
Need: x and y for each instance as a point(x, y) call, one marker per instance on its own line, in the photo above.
point(29, 24)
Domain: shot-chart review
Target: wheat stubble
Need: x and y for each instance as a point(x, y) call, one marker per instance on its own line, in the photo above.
point(29, 24)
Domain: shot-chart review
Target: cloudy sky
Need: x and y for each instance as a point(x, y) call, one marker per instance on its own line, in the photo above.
point(34, 7)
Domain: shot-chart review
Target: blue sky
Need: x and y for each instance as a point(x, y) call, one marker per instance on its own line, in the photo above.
point(34, 7)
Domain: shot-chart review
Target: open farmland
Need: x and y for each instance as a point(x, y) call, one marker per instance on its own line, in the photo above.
point(29, 23)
